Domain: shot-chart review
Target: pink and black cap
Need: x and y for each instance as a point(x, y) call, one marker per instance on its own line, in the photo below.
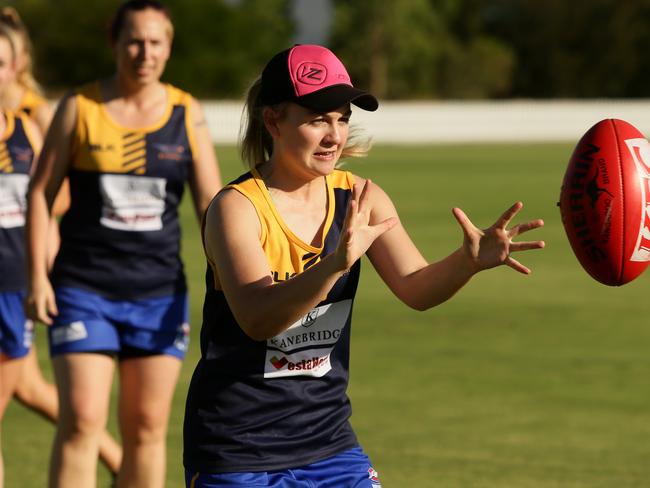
point(313, 77)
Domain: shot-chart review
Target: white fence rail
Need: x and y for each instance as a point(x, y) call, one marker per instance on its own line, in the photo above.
point(453, 122)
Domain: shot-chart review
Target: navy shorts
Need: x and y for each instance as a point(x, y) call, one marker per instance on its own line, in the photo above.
point(350, 469)
point(88, 322)
point(16, 331)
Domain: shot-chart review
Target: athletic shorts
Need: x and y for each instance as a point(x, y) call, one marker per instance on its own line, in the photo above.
point(350, 469)
point(88, 322)
point(16, 331)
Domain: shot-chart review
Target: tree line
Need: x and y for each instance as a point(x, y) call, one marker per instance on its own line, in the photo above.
point(399, 49)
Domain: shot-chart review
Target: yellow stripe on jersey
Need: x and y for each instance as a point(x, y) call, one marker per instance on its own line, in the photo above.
point(6, 166)
point(286, 253)
point(5, 159)
point(134, 152)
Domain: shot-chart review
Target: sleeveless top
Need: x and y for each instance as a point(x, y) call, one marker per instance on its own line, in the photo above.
point(120, 237)
point(31, 102)
point(279, 403)
point(16, 159)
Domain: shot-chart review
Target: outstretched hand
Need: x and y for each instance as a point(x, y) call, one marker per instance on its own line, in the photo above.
point(358, 234)
point(493, 246)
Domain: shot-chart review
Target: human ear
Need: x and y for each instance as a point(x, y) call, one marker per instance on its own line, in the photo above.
point(271, 119)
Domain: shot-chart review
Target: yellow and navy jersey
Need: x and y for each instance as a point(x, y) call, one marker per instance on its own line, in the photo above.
point(16, 158)
point(30, 103)
point(120, 237)
point(264, 405)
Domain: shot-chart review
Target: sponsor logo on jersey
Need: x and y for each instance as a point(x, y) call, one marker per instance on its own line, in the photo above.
point(279, 363)
point(75, 331)
point(13, 202)
point(310, 318)
point(304, 349)
point(173, 152)
point(132, 203)
point(303, 365)
point(278, 277)
point(100, 147)
point(23, 154)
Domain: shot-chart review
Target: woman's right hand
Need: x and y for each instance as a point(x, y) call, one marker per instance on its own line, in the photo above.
point(40, 304)
point(357, 234)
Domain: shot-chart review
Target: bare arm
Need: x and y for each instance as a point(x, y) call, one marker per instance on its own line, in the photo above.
point(422, 285)
point(205, 180)
point(45, 184)
point(43, 117)
point(262, 308)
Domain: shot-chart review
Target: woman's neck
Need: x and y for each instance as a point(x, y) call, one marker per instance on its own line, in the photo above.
point(279, 179)
point(12, 96)
point(136, 94)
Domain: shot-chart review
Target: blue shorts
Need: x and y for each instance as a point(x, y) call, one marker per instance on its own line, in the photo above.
point(16, 331)
point(88, 322)
point(350, 469)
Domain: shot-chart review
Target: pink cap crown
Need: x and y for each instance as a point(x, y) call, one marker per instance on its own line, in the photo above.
point(313, 77)
point(313, 68)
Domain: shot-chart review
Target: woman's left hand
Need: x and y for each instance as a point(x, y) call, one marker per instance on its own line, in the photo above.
point(493, 246)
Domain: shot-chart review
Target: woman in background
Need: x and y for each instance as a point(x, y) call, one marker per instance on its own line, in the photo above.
point(23, 94)
point(128, 145)
point(20, 141)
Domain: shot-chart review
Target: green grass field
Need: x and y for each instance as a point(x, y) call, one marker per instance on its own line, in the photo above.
point(518, 381)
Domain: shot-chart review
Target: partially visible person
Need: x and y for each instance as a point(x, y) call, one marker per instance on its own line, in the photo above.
point(128, 145)
point(23, 94)
point(20, 141)
point(267, 405)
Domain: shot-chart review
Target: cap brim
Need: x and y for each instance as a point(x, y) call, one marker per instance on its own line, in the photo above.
point(336, 96)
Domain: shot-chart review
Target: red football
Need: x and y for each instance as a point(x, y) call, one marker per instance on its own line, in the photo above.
point(605, 202)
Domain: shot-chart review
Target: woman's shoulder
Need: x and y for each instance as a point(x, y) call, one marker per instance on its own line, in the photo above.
point(31, 101)
point(344, 179)
point(245, 185)
point(178, 95)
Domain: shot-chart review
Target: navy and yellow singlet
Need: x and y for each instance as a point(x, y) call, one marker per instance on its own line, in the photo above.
point(30, 103)
point(16, 159)
point(121, 236)
point(279, 403)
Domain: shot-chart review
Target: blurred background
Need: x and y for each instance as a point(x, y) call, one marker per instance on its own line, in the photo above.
point(447, 70)
point(399, 49)
point(516, 382)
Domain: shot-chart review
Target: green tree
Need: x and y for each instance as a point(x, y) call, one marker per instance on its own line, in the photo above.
point(472, 63)
point(421, 49)
point(575, 49)
point(218, 46)
point(389, 46)
point(221, 47)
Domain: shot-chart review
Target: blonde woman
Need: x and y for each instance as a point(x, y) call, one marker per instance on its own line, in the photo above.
point(23, 94)
point(267, 405)
point(20, 142)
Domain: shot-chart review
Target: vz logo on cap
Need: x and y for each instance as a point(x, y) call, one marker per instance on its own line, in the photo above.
point(311, 73)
